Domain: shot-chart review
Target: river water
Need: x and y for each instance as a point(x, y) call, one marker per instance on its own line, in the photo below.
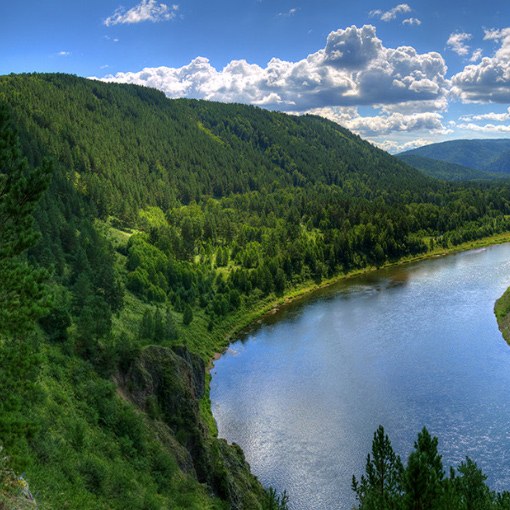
point(404, 347)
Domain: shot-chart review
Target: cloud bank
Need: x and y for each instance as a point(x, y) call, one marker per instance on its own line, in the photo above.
point(354, 68)
point(407, 93)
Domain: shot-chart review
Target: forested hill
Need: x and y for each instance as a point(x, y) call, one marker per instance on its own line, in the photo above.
point(132, 146)
point(166, 226)
point(486, 155)
point(446, 171)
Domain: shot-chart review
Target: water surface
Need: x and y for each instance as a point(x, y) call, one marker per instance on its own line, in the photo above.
point(404, 347)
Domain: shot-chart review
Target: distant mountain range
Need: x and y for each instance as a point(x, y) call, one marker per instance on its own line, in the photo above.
point(462, 159)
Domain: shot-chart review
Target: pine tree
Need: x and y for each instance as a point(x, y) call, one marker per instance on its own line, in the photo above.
point(22, 292)
point(424, 474)
point(170, 326)
point(381, 486)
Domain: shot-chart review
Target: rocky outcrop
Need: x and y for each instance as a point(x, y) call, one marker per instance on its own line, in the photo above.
point(167, 384)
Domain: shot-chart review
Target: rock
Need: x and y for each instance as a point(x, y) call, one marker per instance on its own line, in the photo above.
point(167, 384)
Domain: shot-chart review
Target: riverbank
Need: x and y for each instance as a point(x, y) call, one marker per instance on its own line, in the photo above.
point(272, 304)
point(244, 320)
point(502, 312)
point(417, 340)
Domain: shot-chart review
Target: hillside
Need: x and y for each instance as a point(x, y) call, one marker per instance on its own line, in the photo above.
point(444, 170)
point(166, 226)
point(485, 155)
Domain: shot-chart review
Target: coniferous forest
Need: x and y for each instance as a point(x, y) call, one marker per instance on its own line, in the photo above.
point(138, 233)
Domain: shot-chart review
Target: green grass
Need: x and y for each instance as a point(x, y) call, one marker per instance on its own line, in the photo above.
point(95, 451)
point(502, 311)
point(209, 133)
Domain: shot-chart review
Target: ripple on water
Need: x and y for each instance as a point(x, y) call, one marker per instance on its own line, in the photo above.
point(411, 346)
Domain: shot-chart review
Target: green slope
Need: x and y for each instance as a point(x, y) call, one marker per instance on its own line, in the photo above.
point(500, 164)
point(167, 225)
point(445, 170)
point(477, 154)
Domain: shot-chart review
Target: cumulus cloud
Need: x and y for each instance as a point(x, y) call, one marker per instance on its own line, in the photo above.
point(147, 10)
point(64, 54)
point(411, 21)
point(385, 124)
point(392, 13)
point(489, 80)
point(457, 43)
point(394, 147)
point(354, 68)
point(476, 55)
point(390, 130)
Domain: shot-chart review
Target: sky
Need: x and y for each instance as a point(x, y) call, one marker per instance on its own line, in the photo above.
point(400, 75)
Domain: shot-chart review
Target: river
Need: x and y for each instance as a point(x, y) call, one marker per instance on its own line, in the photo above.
point(404, 347)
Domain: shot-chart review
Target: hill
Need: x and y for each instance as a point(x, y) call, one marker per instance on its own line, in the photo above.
point(485, 155)
point(167, 225)
point(444, 170)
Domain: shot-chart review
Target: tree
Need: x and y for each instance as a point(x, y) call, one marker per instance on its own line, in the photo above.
point(380, 488)
point(471, 487)
point(22, 291)
point(424, 474)
point(187, 316)
point(273, 501)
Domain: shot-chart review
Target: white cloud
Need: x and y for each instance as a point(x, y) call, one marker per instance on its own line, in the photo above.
point(495, 34)
point(489, 80)
point(354, 68)
point(384, 124)
point(487, 128)
point(64, 54)
point(394, 147)
point(392, 13)
point(457, 43)
point(147, 10)
point(411, 21)
point(498, 117)
point(289, 13)
point(477, 55)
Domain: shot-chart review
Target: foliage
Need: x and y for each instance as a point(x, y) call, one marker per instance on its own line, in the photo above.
point(421, 484)
point(22, 290)
point(173, 222)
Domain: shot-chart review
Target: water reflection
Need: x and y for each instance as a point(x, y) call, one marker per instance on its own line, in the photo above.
point(409, 346)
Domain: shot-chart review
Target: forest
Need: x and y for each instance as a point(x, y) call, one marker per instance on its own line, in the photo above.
point(137, 234)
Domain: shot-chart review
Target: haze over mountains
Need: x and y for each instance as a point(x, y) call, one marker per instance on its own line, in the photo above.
point(461, 159)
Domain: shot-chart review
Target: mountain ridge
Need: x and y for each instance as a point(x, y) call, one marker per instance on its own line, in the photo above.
point(491, 155)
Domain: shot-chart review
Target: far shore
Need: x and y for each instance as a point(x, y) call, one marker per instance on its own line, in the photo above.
point(303, 291)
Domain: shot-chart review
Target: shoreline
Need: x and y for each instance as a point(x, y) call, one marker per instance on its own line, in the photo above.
point(249, 321)
point(303, 291)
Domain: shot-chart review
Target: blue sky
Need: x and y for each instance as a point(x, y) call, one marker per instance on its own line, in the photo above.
point(398, 74)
